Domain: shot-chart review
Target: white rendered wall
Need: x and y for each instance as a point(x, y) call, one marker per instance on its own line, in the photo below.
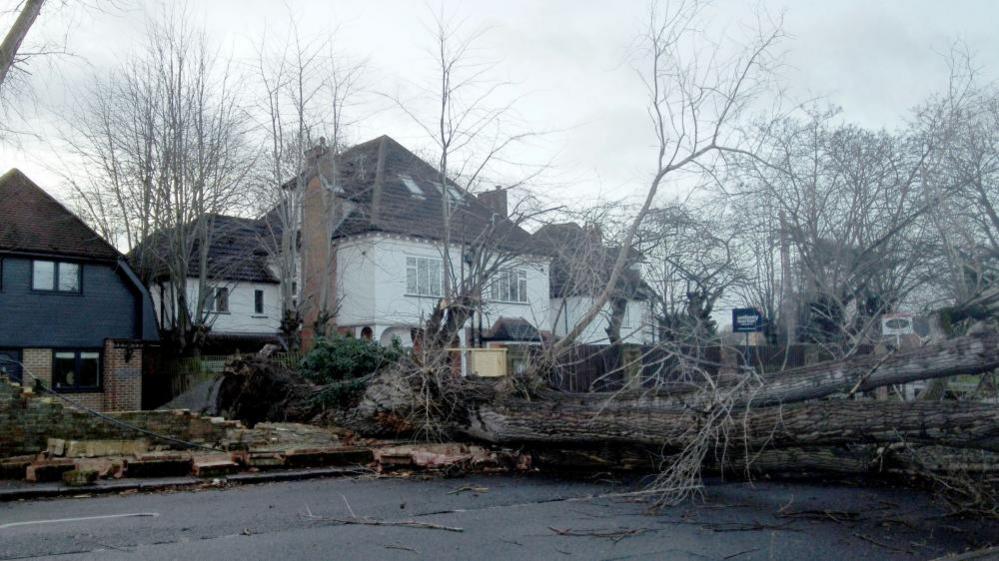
point(242, 316)
point(636, 327)
point(372, 281)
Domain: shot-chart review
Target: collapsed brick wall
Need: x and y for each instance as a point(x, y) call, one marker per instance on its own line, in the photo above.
point(27, 421)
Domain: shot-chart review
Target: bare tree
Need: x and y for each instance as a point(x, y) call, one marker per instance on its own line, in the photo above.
point(27, 13)
point(693, 105)
point(850, 205)
point(309, 90)
point(163, 146)
point(690, 263)
point(467, 123)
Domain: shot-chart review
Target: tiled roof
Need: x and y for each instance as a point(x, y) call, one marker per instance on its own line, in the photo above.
point(237, 251)
point(31, 221)
point(395, 191)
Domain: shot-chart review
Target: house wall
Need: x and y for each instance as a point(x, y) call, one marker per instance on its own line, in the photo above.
point(121, 376)
point(107, 307)
point(372, 282)
point(637, 327)
point(241, 317)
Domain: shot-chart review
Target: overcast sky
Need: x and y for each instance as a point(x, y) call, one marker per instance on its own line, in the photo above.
point(568, 58)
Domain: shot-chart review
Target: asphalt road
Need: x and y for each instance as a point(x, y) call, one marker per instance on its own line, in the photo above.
point(507, 517)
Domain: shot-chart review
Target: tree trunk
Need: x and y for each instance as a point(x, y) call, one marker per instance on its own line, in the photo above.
point(15, 36)
point(515, 422)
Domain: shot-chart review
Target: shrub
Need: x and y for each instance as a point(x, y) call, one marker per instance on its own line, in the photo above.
point(338, 358)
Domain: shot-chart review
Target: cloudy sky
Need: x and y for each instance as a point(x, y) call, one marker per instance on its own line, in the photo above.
point(570, 61)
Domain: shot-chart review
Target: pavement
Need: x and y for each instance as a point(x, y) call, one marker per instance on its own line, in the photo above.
point(17, 490)
point(500, 517)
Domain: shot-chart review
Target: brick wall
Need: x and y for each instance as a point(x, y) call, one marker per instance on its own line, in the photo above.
point(37, 362)
point(27, 421)
point(121, 376)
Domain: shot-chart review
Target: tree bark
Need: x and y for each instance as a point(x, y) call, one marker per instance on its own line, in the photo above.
point(561, 423)
point(15, 36)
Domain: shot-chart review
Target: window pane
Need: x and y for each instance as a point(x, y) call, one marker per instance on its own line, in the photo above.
point(435, 277)
point(89, 369)
point(63, 370)
point(222, 300)
point(411, 285)
point(522, 289)
point(424, 276)
point(69, 277)
point(258, 301)
point(43, 277)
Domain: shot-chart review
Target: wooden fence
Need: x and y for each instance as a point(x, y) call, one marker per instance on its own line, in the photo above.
point(602, 368)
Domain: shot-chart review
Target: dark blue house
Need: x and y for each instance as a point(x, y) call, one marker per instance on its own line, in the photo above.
point(73, 314)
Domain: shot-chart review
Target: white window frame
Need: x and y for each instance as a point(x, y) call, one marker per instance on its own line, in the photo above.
point(430, 283)
point(509, 286)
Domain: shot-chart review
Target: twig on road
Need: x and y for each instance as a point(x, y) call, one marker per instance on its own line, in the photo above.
point(366, 521)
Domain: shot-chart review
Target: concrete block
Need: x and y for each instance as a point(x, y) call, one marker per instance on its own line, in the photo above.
point(79, 478)
point(56, 446)
point(48, 470)
point(265, 460)
point(14, 468)
point(214, 466)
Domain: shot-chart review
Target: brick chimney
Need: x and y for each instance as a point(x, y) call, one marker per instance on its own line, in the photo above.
point(495, 200)
point(318, 291)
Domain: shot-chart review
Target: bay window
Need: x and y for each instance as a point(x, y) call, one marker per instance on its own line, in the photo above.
point(423, 276)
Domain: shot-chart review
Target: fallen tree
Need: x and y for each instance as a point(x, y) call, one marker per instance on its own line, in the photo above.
point(756, 424)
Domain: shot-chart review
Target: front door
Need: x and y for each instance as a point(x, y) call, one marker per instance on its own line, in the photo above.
point(10, 364)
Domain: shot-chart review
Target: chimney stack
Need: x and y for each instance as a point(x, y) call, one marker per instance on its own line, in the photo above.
point(495, 200)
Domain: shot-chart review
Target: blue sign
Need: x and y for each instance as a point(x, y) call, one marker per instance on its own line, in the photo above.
point(746, 320)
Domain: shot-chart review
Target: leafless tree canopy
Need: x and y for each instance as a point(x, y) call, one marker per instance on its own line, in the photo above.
point(163, 147)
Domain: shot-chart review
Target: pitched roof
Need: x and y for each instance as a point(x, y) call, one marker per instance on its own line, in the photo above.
point(394, 190)
point(237, 251)
point(31, 221)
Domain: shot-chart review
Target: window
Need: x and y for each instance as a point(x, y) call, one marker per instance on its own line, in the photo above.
point(454, 194)
point(258, 302)
point(76, 370)
point(55, 276)
point(423, 276)
point(414, 189)
point(509, 286)
point(218, 301)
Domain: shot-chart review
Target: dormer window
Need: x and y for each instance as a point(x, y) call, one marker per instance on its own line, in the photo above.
point(414, 189)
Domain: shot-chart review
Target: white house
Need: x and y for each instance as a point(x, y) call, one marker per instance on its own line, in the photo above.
point(378, 261)
point(579, 272)
point(243, 304)
point(388, 247)
point(392, 283)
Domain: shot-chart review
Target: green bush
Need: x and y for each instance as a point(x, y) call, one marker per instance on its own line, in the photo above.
point(341, 359)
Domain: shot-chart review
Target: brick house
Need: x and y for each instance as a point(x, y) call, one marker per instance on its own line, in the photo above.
point(73, 314)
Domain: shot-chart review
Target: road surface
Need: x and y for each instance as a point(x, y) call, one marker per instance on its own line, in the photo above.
point(501, 517)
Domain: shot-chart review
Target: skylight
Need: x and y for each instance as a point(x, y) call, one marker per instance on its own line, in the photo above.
point(414, 189)
point(454, 194)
